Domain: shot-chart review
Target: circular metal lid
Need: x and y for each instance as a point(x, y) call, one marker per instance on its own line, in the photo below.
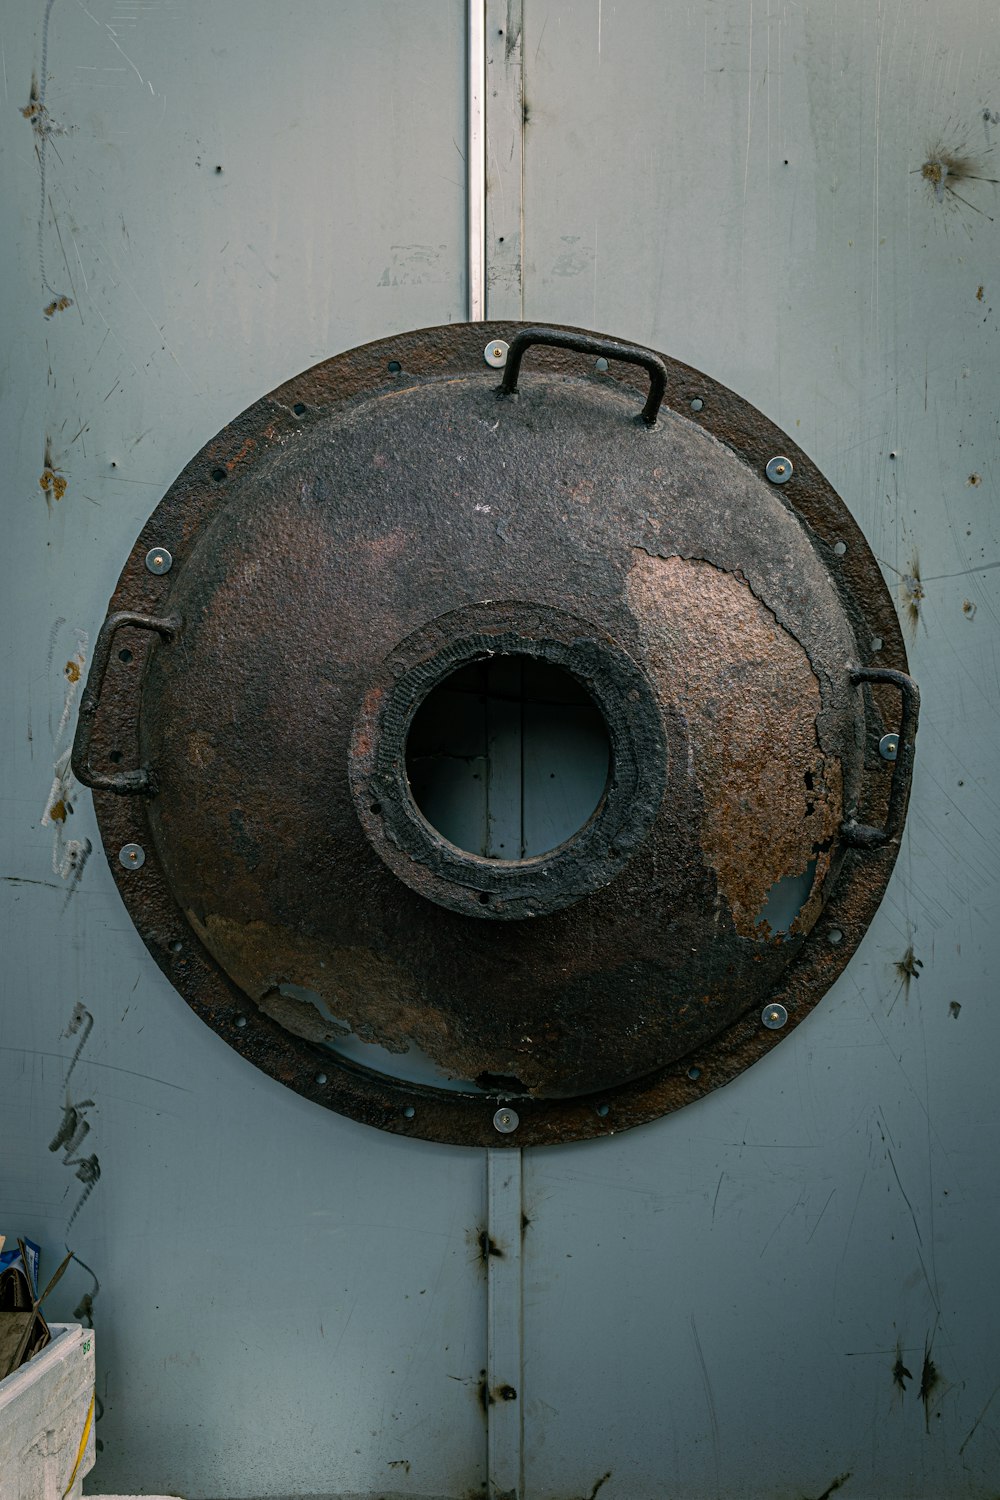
point(668, 667)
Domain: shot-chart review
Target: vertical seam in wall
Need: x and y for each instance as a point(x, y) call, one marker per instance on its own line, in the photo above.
point(504, 1324)
point(476, 158)
point(504, 148)
point(504, 1286)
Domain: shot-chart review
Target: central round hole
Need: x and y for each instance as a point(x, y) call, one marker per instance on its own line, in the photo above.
point(508, 757)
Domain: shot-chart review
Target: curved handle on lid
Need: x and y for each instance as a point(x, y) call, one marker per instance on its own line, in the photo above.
point(585, 343)
point(864, 835)
point(123, 782)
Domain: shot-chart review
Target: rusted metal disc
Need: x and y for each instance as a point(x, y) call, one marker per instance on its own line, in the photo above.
point(385, 525)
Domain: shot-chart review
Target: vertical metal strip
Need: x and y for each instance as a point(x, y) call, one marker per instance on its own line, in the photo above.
point(504, 1314)
point(476, 159)
point(504, 160)
point(504, 1213)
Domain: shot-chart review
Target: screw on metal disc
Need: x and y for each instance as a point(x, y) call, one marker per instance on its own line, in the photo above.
point(774, 1016)
point(888, 746)
point(495, 353)
point(132, 856)
point(779, 470)
point(506, 1120)
point(159, 560)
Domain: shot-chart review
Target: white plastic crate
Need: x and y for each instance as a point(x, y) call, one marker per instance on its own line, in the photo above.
point(46, 1420)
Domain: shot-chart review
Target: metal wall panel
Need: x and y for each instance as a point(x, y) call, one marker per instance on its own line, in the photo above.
point(288, 1303)
point(785, 1290)
point(716, 1304)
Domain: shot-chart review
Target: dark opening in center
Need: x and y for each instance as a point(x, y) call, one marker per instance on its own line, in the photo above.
point(508, 757)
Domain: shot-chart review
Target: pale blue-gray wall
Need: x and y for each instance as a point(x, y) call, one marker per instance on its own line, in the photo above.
point(713, 1305)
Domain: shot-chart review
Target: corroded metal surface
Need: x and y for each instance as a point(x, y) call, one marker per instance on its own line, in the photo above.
point(338, 549)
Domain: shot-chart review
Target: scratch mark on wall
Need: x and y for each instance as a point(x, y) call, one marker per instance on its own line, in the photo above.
point(822, 1211)
point(113, 38)
point(599, 1485)
point(895, 1173)
point(75, 1127)
point(73, 1131)
point(709, 1398)
point(44, 127)
point(837, 1484)
point(123, 278)
point(972, 1430)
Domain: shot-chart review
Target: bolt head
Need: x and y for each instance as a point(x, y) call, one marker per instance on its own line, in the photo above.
point(132, 856)
point(495, 353)
point(159, 560)
point(779, 469)
point(774, 1016)
point(506, 1120)
point(888, 746)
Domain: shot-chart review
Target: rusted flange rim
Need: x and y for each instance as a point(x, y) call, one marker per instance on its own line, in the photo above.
point(508, 890)
point(317, 1073)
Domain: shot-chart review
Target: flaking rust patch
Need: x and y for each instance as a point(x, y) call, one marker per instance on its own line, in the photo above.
point(773, 801)
point(51, 481)
point(52, 484)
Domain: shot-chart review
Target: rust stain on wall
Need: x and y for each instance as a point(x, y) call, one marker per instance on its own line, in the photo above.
point(950, 173)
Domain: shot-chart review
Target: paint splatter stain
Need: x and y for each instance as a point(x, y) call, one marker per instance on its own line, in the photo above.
point(900, 1374)
point(69, 855)
point(913, 595)
point(944, 170)
point(838, 1484)
point(980, 292)
point(930, 1379)
point(908, 967)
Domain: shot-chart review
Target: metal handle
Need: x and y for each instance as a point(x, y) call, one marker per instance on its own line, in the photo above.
point(583, 343)
point(123, 782)
point(864, 835)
